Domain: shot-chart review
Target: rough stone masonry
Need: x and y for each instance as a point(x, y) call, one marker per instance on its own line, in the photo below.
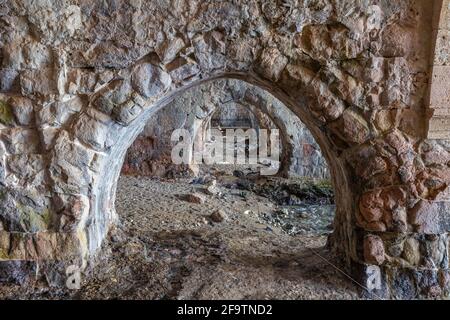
point(79, 80)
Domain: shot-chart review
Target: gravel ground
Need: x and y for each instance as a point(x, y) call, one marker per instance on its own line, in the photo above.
point(168, 248)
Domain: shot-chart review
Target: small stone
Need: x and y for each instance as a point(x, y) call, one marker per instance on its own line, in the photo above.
point(373, 250)
point(126, 112)
point(352, 127)
point(22, 109)
point(209, 50)
point(434, 291)
point(218, 216)
point(91, 131)
point(194, 198)
point(41, 81)
point(399, 219)
point(411, 251)
point(304, 215)
point(211, 188)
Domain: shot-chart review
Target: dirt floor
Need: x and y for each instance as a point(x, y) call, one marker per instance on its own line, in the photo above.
point(170, 245)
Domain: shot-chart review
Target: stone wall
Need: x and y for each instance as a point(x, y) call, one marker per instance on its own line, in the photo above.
point(439, 99)
point(150, 154)
point(79, 80)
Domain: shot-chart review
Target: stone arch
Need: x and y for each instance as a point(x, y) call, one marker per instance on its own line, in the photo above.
point(86, 158)
point(259, 112)
point(354, 73)
point(258, 101)
point(103, 213)
point(296, 141)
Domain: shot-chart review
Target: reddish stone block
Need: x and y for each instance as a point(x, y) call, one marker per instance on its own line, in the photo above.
point(374, 250)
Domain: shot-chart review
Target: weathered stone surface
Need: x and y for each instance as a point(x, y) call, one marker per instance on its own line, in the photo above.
point(218, 216)
point(20, 141)
point(396, 41)
point(357, 76)
point(18, 272)
point(58, 113)
point(324, 42)
point(23, 110)
point(9, 80)
point(72, 166)
point(373, 250)
point(27, 169)
point(70, 210)
point(149, 80)
point(168, 51)
point(431, 216)
point(442, 50)
point(384, 209)
point(209, 50)
point(411, 251)
point(185, 71)
point(126, 112)
point(91, 131)
point(272, 63)
point(440, 96)
point(80, 81)
point(327, 106)
point(352, 127)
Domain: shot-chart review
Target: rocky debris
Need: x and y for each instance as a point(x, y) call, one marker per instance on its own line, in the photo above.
point(163, 250)
point(197, 198)
point(288, 192)
point(302, 219)
point(211, 188)
point(218, 216)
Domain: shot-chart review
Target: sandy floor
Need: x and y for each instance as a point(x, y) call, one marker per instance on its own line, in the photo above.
point(169, 248)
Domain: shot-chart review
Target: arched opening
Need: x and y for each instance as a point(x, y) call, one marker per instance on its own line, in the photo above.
point(227, 221)
point(78, 84)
